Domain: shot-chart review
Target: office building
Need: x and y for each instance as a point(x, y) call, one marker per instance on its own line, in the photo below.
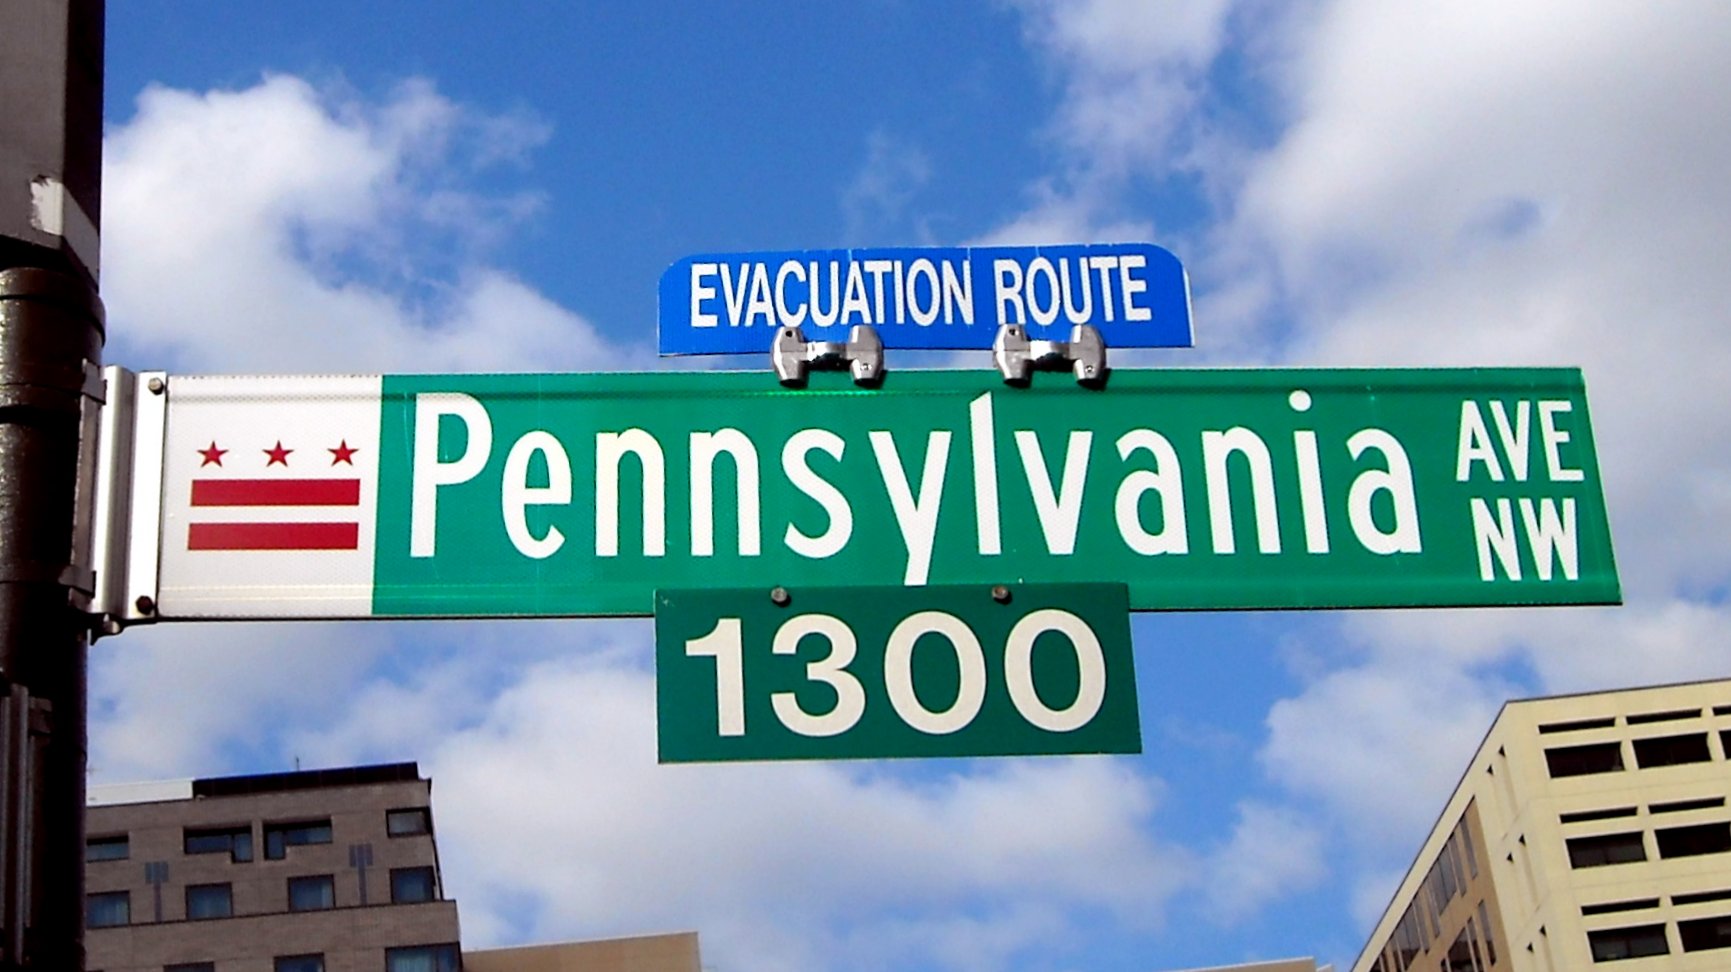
point(323, 871)
point(318, 871)
point(1587, 831)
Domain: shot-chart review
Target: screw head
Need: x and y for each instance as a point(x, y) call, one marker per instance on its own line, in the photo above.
point(156, 385)
point(780, 597)
point(1000, 593)
point(145, 604)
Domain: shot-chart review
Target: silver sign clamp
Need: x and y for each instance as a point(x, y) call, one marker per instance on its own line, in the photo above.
point(1017, 357)
point(862, 353)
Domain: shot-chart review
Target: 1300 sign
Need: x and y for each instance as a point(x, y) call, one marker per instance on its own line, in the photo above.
point(894, 671)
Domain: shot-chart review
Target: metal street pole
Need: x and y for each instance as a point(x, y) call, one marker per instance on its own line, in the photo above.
point(51, 335)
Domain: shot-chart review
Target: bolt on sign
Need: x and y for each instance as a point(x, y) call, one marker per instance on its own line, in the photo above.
point(583, 494)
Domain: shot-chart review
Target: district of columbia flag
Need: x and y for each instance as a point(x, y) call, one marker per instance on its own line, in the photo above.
point(270, 496)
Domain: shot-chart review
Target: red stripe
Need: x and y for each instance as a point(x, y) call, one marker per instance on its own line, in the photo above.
point(276, 492)
point(273, 536)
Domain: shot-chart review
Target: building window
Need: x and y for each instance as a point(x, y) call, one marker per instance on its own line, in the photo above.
point(236, 842)
point(1702, 934)
point(1693, 841)
point(408, 823)
point(1612, 944)
point(278, 838)
point(411, 885)
point(422, 958)
point(1578, 725)
point(107, 849)
point(1672, 750)
point(315, 892)
point(1489, 939)
point(209, 901)
point(1587, 816)
point(1460, 957)
point(299, 963)
point(1611, 907)
point(1603, 849)
point(107, 909)
point(190, 967)
point(1583, 760)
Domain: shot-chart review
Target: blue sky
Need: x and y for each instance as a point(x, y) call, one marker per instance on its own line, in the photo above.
point(324, 187)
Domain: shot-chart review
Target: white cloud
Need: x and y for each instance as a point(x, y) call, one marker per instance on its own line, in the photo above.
point(176, 702)
point(279, 228)
point(1273, 852)
point(557, 822)
point(1133, 76)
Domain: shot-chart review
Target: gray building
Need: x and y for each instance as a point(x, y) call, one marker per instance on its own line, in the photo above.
point(320, 871)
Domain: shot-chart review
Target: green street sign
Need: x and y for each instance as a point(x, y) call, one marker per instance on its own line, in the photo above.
point(582, 494)
point(871, 672)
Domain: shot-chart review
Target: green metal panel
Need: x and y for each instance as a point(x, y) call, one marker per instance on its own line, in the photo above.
point(958, 694)
point(1200, 489)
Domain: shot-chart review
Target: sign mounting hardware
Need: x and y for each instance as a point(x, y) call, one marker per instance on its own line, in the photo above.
point(862, 355)
point(1017, 357)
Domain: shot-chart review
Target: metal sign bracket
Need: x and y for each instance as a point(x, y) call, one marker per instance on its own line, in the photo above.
point(126, 529)
point(1017, 357)
point(862, 353)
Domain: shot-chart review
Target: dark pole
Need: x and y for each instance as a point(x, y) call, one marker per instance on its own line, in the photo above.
point(51, 334)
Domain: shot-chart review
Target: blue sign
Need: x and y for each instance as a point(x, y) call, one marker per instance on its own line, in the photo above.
point(948, 298)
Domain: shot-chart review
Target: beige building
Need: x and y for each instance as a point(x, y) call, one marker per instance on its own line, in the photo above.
point(1588, 830)
point(318, 871)
point(649, 953)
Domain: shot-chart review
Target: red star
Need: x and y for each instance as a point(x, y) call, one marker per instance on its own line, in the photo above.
point(342, 453)
point(212, 456)
point(277, 455)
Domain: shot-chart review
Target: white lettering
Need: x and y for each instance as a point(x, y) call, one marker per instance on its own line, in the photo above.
point(1475, 445)
point(760, 304)
point(1217, 449)
point(958, 293)
point(1049, 313)
point(982, 437)
point(1515, 439)
point(430, 473)
point(819, 316)
point(1164, 479)
point(1554, 439)
point(1058, 514)
point(855, 300)
point(1131, 286)
point(733, 292)
point(899, 672)
point(701, 293)
point(877, 269)
point(793, 463)
point(516, 495)
point(923, 316)
point(1102, 266)
point(1007, 276)
point(705, 446)
point(1496, 535)
point(1551, 537)
point(916, 517)
point(786, 316)
point(610, 448)
point(1076, 314)
point(1396, 481)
